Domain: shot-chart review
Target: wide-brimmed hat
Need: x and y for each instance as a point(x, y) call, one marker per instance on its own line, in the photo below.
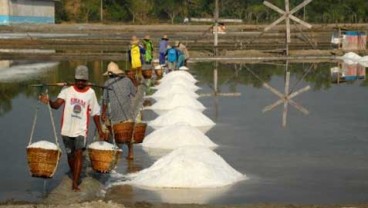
point(113, 68)
point(147, 37)
point(177, 43)
point(81, 72)
point(165, 37)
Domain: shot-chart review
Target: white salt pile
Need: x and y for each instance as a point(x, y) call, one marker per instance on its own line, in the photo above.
point(179, 75)
point(183, 115)
point(44, 145)
point(102, 145)
point(175, 136)
point(351, 56)
point(364, 61)
point(195, 167)
point(183, 68)
point(169, 91)
point(176, 100)
point(172, 82)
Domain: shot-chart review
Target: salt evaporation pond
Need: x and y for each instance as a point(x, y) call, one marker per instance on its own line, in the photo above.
point(175, 136)
point(183, 115)
point(176, 100)
point(194, 167)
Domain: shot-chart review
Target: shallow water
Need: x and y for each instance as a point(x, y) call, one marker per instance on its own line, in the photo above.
point(316, 158)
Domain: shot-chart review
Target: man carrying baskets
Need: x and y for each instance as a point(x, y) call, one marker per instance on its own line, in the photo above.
point(79, 102)
point(117, 102)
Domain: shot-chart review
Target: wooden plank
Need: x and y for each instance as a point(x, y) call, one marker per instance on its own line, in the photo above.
point(275, 23)
point(275, 8)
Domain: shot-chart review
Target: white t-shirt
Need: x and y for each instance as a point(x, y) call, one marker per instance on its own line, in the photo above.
point(78, 107)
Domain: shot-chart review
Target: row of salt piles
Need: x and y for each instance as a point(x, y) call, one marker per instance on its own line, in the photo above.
point(352, 58)
point(180, 128)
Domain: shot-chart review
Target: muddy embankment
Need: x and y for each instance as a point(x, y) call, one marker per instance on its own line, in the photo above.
point(110, 42)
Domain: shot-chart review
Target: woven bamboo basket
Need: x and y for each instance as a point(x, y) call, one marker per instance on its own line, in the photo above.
point(117, 156)
point(147, 73)
point(139, 132)
point(123, 132)
point(103, 161)
point(42, 162)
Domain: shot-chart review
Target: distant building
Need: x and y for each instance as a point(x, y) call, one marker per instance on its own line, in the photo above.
point(27, 11)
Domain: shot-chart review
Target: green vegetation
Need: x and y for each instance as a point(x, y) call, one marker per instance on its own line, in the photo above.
point(173, 11)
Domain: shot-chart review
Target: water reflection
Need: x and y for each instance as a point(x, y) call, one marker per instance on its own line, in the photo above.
point(286, 97)
point(345, 72)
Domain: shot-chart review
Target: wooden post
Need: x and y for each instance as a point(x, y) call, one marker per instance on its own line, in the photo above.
point(215, 42)
point(215, 20)
point(101, 11)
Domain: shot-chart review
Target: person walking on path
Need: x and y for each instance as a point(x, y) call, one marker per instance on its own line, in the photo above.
point(136, 54)
point(163, 44)
point(184, 52)
point(148, 46)
point(80, 103)
point(172, 58)
point(117, 95)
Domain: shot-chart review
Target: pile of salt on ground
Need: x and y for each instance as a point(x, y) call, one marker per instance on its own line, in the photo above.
point(176, 100)
point(175, 136)
point(170, 90)
point(178, 81)
point(178, 74)
point(43, 145)
point(195, 167)
point(183, 115)
point(102, 145)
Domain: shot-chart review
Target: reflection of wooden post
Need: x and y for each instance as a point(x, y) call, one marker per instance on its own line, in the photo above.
point(284, 114)
point(285, 98)
point(215, 78)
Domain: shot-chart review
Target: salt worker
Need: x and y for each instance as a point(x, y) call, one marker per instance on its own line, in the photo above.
point(163, 45)
point(148, 46)
point(184, 57)
point(118, 95)
point(136, 56)
point(80, 103)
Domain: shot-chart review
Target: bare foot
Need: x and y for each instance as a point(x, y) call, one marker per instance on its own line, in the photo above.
point(75, 188)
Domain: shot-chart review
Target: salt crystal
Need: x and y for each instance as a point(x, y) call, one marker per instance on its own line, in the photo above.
point(167, 92)
point(183, 68)
point(102, 145)
point(194, 167)
point(44, 145)
point(352, 56)
point(177, 100)
point(179, 74)
point(183, 115)
point(172, 82)
point(175, 136)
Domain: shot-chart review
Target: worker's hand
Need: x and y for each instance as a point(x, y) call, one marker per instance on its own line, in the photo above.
point(44, 99)
point(104, 136)
point(103, 117)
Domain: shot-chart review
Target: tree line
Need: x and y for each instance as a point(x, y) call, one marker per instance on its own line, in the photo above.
point(175, 11)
